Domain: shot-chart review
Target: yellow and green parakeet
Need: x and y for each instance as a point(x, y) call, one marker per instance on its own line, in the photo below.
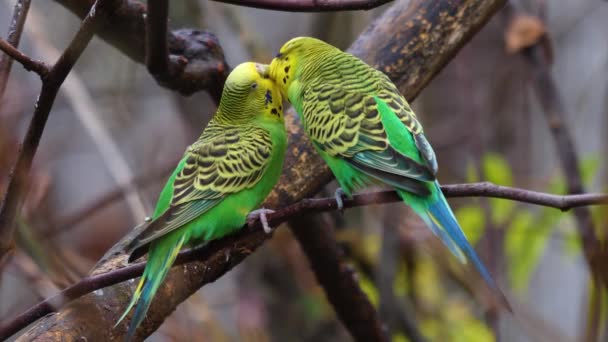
point(367, 133)
point(221, 179)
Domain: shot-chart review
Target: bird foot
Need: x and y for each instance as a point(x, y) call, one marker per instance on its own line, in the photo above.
point(339, 195)
point(261, 215)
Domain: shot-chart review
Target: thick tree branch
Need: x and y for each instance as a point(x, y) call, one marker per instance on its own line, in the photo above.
point(17, 186)
point(425, 34)
point(309, 5)
point(157, 52)
point(232, 249)
point(337, 278)
point(196, 60)
point(13, 37)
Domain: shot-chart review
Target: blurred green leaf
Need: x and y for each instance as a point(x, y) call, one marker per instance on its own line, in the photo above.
point(557, 185)
point(599, 215)
point(571, 241)
point(497, 170)
point(550, 217)
point(314, 306)
point(427, 281)
point(463, 325)
point(525, 242)
point(431, 328)
point(369, 288)
point(472, 174)
point(399, 337)
point(472, 330)
point(604, 308)
point(400, 286)
point(472, 221)
point(589, 167)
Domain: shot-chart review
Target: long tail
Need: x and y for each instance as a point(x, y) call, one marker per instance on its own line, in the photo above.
point(161, 257)
point(436, 213)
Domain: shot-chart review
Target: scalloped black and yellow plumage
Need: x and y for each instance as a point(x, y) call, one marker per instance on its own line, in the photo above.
point(367, 133)
point(221, 178)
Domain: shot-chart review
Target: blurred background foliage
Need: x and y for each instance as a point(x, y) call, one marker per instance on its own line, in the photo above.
point(479, 114)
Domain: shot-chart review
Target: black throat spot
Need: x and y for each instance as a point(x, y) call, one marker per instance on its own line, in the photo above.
point(268, 98)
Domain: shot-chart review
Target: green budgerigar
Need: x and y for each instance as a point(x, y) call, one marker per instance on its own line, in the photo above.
point(221, 179)
point(367, 133)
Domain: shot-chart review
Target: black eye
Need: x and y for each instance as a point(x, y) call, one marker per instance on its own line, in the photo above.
point(279, 55)
point(254, 85)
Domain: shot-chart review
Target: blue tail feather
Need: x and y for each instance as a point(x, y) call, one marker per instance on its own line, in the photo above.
point(444, 220)
point(438, 216)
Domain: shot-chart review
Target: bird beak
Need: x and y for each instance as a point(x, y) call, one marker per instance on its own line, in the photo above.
point(263, 70)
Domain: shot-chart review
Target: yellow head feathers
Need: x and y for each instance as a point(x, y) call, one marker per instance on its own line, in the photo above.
point(249, 93)
point(297, 52)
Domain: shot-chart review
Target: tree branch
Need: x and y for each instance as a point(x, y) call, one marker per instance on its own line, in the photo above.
point(553, 107)
point(232, 249)
point(309, 5)
point(157, 52)
point(196, 60)
point(64, 224)
point(426, 34)
point(51, 82)
point(487, 189)
point(14, 36)
point(338, 279)
point(29, 64)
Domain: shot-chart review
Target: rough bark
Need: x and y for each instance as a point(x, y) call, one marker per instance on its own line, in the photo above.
point(411, 42)
point(196, 60)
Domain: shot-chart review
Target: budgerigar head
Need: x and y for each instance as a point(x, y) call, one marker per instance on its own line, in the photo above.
point(289, 63)
point(249, 93)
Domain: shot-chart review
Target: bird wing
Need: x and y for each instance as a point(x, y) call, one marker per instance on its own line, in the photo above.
point(343, 119)
point(224, 161)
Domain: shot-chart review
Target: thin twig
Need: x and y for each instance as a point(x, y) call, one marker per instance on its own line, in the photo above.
point(51, 82)
point(196, 60)
point(83, 104)
point(309, 5)
point(304, 207)
point(13, 37)
point(553, 107)
point(487, 189)
point(29, 64)
point(433, 34)
point(106, 199)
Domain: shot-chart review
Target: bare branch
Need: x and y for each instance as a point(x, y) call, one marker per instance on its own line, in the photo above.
point(14, 36)
point(196, 60)
point(228, 247)
point(487, 189)
point(309, 5)
point(29, 64)
point(66, 223)
point(17, 186)
point(426, 34)
point(553, 107)
point(157, 53)
point(338, 279)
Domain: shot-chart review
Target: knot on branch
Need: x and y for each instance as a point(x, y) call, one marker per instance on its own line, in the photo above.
point(196, 62)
